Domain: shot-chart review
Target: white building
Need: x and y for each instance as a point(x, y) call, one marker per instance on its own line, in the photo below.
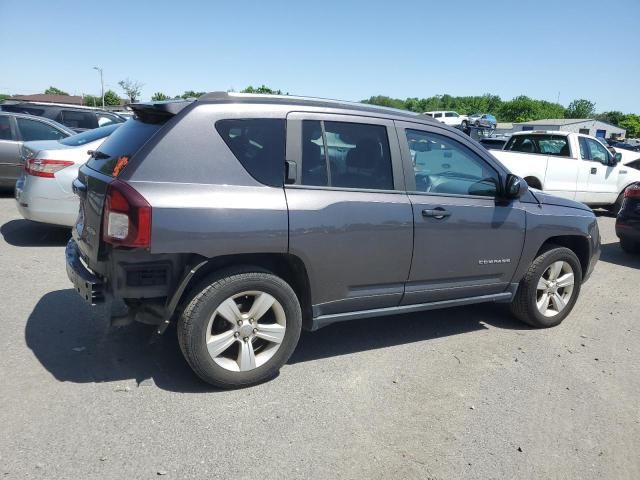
point(587, 126)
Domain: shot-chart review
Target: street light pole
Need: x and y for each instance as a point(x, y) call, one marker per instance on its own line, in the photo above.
point(101, 84)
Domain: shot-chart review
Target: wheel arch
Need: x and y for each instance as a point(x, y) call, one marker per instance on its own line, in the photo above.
point(286, 266)
point(576, 243)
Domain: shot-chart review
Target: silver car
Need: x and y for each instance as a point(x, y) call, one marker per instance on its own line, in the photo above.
point(16, 128)
point(43, 191)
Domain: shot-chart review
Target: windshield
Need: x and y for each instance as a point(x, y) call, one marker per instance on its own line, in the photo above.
point(89, 136)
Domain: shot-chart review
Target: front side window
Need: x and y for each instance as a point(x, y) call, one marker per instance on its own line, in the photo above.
point(556, 145)
point(34, 130)
point(346, 155)
point(437, 115)
point(597, 151)
point(105, 119)
point(259, 145)
point(443, 165)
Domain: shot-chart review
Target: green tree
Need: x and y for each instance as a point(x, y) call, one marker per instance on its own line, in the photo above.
point(261, 89)
point(383, 101)
point(614, 117)
point(159, 96)
point(92, 101)
point(55, 91)
point(631, 123)
point(112, 98)
point(581, 108)
point(191, 94)
point(131, 88)
point(4, 96)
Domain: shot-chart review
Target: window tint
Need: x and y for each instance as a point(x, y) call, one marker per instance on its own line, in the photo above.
point(437, 115)
point(545, 144)
point(451, 114)
point(5, 128)
point(358, 155)
point(597, 151)
point(21, 109)
point(76, 119)
point(115, 152)
point(443, 165)
point(89, 136)
point(314, 160)
point(259, 145)
point(35, 130)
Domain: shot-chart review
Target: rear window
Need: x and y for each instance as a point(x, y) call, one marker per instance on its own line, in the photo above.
point(116, 151)
point(556, 145)
point(89, 136)
point(76, 119)
point(259, 145)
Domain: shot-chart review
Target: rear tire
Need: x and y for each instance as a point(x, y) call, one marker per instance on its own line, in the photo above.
point(238, 329)
point(629, 246)
point(550, 288)
point(615, 208)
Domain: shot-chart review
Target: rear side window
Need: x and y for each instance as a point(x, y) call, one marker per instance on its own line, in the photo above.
point(259, 145)
point(75, 119)
point(346, 155)
point(5, 128)
point(556, 145)
point(116, 151)
point(34, 130)
point(21, 109)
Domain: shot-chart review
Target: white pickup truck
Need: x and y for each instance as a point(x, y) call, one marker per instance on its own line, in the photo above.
point(570, 165)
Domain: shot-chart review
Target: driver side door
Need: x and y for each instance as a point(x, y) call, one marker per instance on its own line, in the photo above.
point(598, 176)
point(467, 241)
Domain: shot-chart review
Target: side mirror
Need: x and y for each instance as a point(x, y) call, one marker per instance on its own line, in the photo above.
point(616, 158)
point(515, 187)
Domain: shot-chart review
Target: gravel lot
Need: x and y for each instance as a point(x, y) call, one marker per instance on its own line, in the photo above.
point(461, 393)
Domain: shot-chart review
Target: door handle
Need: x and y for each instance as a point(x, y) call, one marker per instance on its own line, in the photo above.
point(438, 213)
point(594, 170)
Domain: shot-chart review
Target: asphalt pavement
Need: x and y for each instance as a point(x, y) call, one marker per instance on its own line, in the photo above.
point(452, 394)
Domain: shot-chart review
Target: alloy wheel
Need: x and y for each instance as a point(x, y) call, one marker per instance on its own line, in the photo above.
point(246, 331)
point(555, 288)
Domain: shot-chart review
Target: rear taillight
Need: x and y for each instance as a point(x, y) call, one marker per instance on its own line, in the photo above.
point(45, 168)
point(127, 217)
point(632, 192)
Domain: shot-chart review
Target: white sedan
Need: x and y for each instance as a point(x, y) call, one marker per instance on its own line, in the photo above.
point(43, 191)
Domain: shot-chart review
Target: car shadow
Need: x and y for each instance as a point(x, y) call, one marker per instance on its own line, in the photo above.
point(75, 343)
point(25, 233)
point(613, 253)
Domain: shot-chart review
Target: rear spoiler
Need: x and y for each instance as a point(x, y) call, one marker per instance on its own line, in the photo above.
point(158, 112)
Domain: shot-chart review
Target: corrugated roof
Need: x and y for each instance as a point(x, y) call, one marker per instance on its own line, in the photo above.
point(557, 121)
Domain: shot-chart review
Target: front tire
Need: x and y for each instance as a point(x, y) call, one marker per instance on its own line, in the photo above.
point(237, 330)
point(550, 288)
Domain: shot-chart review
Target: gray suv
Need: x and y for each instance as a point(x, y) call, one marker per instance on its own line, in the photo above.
point(246, 218)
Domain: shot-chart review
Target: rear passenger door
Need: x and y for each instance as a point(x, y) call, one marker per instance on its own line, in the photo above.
point(350, 220)
point(9, 151)
point(467, 241)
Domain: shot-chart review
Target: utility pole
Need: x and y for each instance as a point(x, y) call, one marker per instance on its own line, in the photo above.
point(101, 84)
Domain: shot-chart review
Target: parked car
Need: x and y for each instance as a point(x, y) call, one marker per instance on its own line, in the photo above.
point(75, 117)
point(17, 128)
point(493, 143)
point(570, 165)
point(449, 117)
point(485, 120)
point(234, 216)
point(628, 220)
point(43, 191)
point(626, 146)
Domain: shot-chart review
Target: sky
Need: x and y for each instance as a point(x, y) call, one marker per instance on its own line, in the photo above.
point(347, 50)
